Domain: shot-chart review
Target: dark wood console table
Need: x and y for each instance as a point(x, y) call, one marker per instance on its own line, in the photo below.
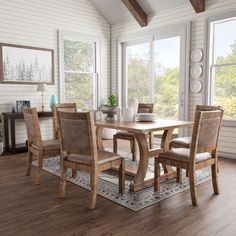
point(9, 116)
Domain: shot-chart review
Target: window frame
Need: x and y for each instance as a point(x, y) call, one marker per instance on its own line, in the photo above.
point(182, 29)
point(62, 35)
point(208, 60)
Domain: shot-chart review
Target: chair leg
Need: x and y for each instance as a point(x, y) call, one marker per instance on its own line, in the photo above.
point(187, 173)
point(74, 173)
point(193, 191)
point(39, 169)
point(157, 175)
point(122, 176)
point(93, 184)
point(63, 182)
point(214, 172)
point(29, 163)
point(179, 178)
point(115, 145)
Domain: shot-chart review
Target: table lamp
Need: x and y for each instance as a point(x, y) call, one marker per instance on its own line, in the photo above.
point(42, 88)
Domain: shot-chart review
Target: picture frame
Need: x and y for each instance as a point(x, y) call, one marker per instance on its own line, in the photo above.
point(26, 65)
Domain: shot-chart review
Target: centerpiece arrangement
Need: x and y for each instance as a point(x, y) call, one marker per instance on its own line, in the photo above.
point(111, 108)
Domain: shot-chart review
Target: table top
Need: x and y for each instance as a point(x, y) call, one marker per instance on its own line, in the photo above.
point(19, 115)
point(144, 127)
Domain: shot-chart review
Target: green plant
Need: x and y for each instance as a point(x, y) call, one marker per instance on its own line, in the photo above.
point(112, 101)
point(1, 128)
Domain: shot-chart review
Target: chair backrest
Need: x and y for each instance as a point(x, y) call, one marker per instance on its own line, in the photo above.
point(78, 133)
point(206, 131)
point(70, 107)
point(32, 127)
point(145, 107)
point(207, 108)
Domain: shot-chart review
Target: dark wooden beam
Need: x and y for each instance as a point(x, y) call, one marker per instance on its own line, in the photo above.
point(137, 12)
point(198, 5)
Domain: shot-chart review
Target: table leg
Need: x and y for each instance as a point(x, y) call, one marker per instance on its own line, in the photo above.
point(139, 181)
point(13, 138)
point(143, 162)
point(165, 144)
point(6, 134)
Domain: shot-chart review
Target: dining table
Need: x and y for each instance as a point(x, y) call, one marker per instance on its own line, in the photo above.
point(141, 130)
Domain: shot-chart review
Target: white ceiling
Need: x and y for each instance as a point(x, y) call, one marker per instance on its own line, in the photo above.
point(115, 12)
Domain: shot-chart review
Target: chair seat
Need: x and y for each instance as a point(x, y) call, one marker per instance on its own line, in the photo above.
point(183, 154)
point(183, 142)
point(124, 135)
point(103, 157)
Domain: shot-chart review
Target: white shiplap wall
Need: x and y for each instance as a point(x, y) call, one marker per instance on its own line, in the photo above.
point(185, 13)
point(35, 23)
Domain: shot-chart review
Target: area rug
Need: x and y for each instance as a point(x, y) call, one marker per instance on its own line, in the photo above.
point(108, 184)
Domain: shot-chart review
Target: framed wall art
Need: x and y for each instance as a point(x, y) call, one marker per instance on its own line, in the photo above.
point(26, 65)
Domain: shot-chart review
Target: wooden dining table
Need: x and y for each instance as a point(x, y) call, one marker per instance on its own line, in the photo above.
point(140, 130)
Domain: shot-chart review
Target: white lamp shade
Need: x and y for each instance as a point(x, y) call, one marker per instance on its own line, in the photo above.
point(42, 87)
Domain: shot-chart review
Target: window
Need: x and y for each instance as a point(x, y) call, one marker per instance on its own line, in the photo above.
point(79, 74)
point(222, 66)
point(153, 73)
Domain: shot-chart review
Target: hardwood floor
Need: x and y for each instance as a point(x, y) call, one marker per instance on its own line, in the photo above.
point(29, 209)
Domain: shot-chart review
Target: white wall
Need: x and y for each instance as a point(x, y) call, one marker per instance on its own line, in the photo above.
point(227, 141)
point(35, 23)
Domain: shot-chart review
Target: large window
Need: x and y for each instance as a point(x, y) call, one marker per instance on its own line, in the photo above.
point(79, 75)
point(153, 73)
point(222, 65)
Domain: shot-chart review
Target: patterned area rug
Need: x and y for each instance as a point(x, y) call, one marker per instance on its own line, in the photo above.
point(108, 184)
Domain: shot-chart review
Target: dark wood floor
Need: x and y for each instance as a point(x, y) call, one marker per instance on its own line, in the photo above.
point(27, 209)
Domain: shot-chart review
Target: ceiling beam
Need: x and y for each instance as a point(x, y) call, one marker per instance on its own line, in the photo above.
point(198, 5)
point(137, 12)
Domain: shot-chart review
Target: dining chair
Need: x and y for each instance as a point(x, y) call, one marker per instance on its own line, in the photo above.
point(185, 142)
point(70, 107)
point(202, 152)
point(79, 151)
point(36, 146)
point(142, 108)
point(61, 107)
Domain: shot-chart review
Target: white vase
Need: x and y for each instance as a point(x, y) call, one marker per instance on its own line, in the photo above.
point(128, 114)
point(1, 148)
point(133, 102)
point(108, 133)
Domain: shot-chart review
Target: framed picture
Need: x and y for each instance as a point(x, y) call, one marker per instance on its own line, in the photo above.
point(26, 65)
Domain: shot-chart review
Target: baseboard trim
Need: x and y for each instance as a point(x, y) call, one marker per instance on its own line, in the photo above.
point(227, 155)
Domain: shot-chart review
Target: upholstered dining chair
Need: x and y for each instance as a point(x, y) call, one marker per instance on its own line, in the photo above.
point(79, 151)
point(70, 107)
point(184, 142)
point(202, 151)
point(142, 108)
point(36, 146)
point(61, 107)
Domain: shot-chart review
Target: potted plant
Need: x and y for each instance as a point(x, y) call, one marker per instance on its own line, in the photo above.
point(111, 108)
point(1, 134)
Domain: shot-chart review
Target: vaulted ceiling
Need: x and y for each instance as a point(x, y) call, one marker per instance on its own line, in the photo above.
point(115, 12)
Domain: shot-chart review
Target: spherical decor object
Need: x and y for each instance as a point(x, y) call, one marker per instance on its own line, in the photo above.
point(195, 86)
point(196, 71)
point(196, 55)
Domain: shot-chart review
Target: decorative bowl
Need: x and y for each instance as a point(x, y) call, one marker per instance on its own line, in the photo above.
point(146, 116)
